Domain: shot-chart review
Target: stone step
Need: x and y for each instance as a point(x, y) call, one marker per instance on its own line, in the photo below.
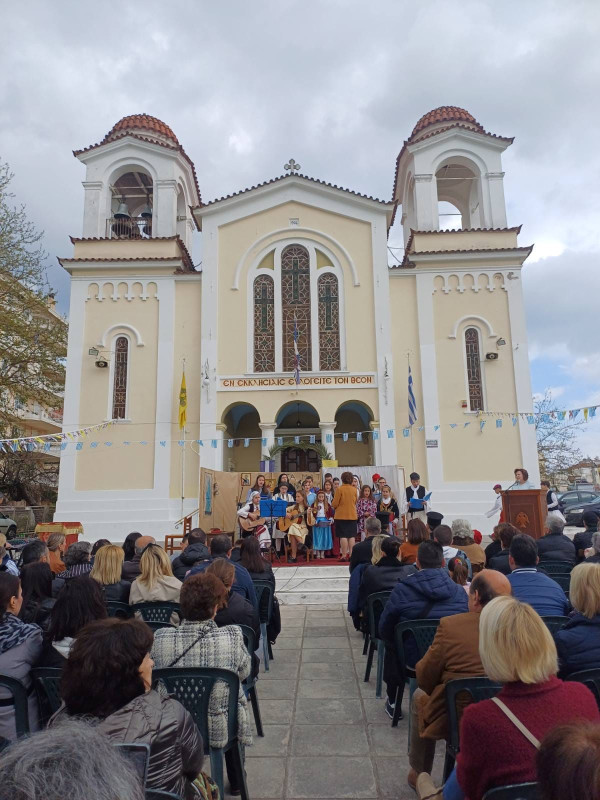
point(323, 586)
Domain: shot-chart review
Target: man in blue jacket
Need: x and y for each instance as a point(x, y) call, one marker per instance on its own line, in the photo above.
point(531, 586)
point(428, 594)
point(221, 547)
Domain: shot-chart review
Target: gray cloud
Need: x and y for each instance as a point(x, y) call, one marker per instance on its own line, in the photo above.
point(336, 85)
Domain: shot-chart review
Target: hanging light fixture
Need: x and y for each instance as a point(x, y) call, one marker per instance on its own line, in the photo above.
point(298, 422)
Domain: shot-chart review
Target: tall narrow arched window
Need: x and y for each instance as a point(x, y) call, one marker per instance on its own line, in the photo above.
point(473, 356)
point(119, 403)
point(264, 324)
point(329, 322)
point(295, 305)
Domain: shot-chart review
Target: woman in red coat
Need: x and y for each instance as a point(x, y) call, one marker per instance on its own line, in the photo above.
point(517, 650)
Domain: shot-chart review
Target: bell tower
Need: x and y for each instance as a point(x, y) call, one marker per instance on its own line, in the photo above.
point(450, 159)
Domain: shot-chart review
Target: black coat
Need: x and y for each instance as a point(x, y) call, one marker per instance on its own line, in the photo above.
point(556, 547)
point(362, 553)
point(239, 611)
point(38, 612)
point(493, 549)
point(582, 541)
point(500, 562)
point(192, 554)
point(131, 569)
point(117, 592)
point(382, 577)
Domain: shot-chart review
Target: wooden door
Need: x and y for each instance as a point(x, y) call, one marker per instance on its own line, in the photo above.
point(295, 460)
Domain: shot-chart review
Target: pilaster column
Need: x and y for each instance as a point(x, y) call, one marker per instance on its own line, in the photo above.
point(268, 433)
point(426, 209)
point(94, 219)
point(328, 436)
point(495, 185)
point(219, 436)
point(376, 442)
point(165, 208)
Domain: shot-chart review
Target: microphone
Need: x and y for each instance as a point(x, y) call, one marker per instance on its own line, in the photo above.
point(511, 486)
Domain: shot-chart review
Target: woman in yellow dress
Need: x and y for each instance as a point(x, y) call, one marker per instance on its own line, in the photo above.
point(298, 531)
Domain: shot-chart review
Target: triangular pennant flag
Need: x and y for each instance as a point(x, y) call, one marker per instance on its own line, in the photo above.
point(199, 442)
point(328, 438)
point(296, 440)
point(593, 411)
point(280, 440)
point(375, 435)
point(63, 445)
point(498, 423)
point(345, 437)
point(514, 420)
point(421, 428)
point(78, 446)
point(405, 432)
point(359, 437)
point(586, 411)
point(264, 442)
point(213, 444)
point(229, 442)
point(436, 427)
point(390, 434)
point(453, 424)
point(246, 442)
point(530, 419)
point(163, 444)
point(466, 424)
point(311, 438)
point(576, 412)
point(144, 443)
point(482, 425)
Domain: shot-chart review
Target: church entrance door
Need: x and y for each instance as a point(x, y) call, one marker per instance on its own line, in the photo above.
point(295, 460)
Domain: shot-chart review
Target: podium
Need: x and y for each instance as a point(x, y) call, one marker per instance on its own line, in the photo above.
point(526, 509)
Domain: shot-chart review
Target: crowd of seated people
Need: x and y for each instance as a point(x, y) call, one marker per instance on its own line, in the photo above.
point(106, 662)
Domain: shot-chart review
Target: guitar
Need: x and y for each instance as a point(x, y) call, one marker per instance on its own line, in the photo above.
point(250, 522)
point(292, 516)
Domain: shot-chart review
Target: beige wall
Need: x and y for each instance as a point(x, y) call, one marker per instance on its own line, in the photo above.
point(119, 466)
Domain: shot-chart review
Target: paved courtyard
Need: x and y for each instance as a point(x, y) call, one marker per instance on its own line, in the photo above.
point(326, 735)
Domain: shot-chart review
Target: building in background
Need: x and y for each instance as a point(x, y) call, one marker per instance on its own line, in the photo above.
point(293, 262)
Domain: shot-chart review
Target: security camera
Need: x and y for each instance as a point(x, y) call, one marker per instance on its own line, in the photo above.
point(101, 363)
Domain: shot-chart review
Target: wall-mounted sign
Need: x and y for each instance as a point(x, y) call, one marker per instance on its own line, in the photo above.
point(431, 442)
point(306, 382)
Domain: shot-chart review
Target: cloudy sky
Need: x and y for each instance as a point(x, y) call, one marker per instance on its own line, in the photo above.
point(338, 85)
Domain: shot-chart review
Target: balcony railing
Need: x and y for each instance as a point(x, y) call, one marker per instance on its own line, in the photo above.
point(132, 228)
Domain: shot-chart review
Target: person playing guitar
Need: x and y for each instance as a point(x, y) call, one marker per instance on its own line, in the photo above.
point(251, 522)
point(294, 523)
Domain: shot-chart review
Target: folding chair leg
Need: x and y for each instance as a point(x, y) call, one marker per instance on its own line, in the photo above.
point(379, 683)
point(216, 769)
point(366, 643)
point(238, 758)
point(448, 765)
point(263, 633)
point(412, 685)
point(256, 711)
point(369, 661)
point(397, 705)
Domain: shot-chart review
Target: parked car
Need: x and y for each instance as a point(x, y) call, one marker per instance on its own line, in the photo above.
point(576, 496)
point(574, 513)
point(7, 526)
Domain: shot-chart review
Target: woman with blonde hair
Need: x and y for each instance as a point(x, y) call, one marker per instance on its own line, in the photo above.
point(108, 564)
point(377, 553)
point(156, 583)
point(578, 642)
point(517, 651)
point(56, 549)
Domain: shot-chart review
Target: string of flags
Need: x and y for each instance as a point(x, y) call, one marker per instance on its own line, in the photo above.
point(83, 438)
point(45, 442)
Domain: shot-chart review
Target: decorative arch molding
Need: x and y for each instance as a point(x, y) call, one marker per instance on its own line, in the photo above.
point(256, 271)
point(121, 326)
point(475, 319)
point(460, 153)
point(96, 289)
point(489, 281)
point(285, 236)
point(126, 164)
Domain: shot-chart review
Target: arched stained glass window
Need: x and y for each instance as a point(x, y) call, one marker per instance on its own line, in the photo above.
point(295, 302)
point(329, 322)
point(473, 355)
point(264, 324)
point(119, 404)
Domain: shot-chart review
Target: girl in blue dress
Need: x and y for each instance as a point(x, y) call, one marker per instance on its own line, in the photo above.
point(322, 518)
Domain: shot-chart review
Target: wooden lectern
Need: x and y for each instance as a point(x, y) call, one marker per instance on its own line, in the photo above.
point(526, 509)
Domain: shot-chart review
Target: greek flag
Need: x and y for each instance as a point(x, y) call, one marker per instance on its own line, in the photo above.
point(412, 404)
point(296, 353)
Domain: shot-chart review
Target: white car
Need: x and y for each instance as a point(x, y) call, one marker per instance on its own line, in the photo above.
point(7, 526)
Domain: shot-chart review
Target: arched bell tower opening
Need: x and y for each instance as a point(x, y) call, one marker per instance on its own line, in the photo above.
point(131, 206)
point(458, 183)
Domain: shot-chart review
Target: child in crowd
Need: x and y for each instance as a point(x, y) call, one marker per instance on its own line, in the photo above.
point(320, 518)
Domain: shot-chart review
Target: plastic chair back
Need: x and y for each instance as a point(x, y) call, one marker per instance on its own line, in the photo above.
point(47, 689)
point(589, 677)
point(375, 605)
point(422, 631)
point(554, 624)
point(251, 644)
point(555, 567)
point(477, 689)
point(193, 686)
point(265, 608)
point(154, 613)
point(563, 579)
point(19, 701)
point(517, 791)
point(114, 608)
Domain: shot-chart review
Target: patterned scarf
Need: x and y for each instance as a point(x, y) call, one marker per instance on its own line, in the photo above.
point(14, 632)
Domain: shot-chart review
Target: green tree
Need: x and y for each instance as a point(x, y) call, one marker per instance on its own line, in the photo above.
point(33, 338)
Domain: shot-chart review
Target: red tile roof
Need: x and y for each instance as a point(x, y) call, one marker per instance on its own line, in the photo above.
point(185, 253)
point(445, 114)
point(296, 175)
point(516, 229)
point(146, 129)
point(407, 263)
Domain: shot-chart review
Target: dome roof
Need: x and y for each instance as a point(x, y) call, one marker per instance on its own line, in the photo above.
point(445, 114)
point(144, 125)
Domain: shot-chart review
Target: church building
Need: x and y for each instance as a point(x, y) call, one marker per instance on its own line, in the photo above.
point(294, 262)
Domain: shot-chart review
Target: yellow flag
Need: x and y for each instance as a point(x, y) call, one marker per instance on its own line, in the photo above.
point(182, 403)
